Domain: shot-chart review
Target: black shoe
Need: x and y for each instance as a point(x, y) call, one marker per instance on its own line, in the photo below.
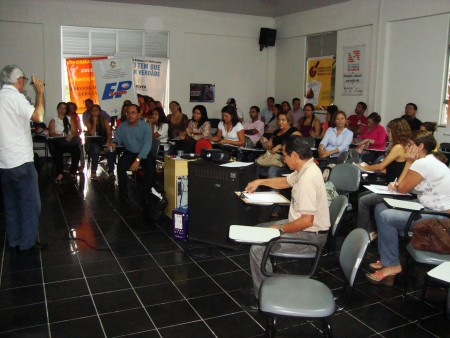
point(35, 249)
point(14, 250)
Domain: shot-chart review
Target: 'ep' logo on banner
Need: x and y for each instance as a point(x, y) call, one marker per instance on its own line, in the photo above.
point(111, 91)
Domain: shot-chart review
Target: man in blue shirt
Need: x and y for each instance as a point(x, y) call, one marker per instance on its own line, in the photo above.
point(136, 137)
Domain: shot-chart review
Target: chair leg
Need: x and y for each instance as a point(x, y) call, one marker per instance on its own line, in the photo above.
point(326, 329)
point(422, 299)
point(405, 284)
point(447, 305)
point(271, 327)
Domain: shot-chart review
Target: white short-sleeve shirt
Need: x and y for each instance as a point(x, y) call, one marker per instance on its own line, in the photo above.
point(231, 135)
point(309, 196)
point(16, 143)
point(433, 192)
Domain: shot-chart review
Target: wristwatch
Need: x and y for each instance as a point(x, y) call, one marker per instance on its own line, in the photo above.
point(138, 159)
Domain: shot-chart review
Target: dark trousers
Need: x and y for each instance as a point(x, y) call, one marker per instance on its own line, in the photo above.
point(124, 164)
point(61, 146)
point(22, 205)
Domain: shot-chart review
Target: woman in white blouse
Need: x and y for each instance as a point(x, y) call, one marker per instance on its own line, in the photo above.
point(230, 131)
point(158, 122)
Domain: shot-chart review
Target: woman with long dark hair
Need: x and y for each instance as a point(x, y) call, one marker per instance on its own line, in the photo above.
point(64, 139)
point(230, 131)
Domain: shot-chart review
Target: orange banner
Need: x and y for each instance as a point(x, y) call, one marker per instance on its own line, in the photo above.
point(82, 81)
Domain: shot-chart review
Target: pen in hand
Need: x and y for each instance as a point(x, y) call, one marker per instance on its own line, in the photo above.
point(392, 185)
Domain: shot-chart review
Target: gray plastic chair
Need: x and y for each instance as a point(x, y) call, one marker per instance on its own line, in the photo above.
point(346, 178)
point(297, 296)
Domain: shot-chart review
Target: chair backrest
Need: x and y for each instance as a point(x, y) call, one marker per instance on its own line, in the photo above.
point(214, 122)
point(202, 144)
point(352, 253)
point(337, 209)
point(342, 157)
point(345, 177)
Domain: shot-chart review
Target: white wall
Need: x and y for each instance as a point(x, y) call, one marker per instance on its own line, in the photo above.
point(248, 75)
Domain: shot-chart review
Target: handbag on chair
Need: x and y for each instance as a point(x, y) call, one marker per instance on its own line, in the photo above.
point(269, 160)
point(433, 235)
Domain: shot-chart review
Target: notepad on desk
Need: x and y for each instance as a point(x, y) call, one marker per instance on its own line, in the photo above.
point(251, 234)
point(402, 204)
point(384, 190)
point(263, 197)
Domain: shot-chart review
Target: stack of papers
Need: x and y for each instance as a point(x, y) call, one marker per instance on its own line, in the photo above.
point(265, 197)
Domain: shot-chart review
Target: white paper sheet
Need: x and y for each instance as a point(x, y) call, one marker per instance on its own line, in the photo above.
point(384, 190)
point(363, 164)
point(441, 272)
point(236, 164)
point(265, 197)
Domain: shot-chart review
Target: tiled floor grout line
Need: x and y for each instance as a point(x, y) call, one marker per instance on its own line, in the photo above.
point(3, 260)
point(82, 270)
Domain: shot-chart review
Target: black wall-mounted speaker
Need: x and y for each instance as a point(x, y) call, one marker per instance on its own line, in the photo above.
point(267, 37)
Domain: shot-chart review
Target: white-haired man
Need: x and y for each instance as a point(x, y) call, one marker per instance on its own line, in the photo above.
point(17, 172)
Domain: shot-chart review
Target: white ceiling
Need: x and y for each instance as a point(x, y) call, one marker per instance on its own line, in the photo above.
point(268, 8)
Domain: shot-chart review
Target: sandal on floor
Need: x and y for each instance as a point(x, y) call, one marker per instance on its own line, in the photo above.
point(378, 278)
point(375, 266)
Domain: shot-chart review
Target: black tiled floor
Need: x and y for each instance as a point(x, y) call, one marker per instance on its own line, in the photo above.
point(125, 277)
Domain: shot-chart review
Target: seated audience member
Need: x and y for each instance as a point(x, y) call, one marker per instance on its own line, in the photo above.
point(97, 125)
point(297, 110)
point(230, 131)
point(430, 179)
point(337, 138)
point(309, 217)
point(136, 137)
point(286, 107)
point(266, 113)
point(178, 121)
point(88, 103)
point(275, 144)
point(331, 110)
point(399, 135)
point(309, 125)
point(410, 116)
point(67, 142)
point(199, 126)
point(74, 118)
point(123, 113)
point(429, 126)
point(254, 129)
point(159, 125)
point(272, 124)
point(358, 121)
point(232, 102)
point(148, 104)
point(374, 137)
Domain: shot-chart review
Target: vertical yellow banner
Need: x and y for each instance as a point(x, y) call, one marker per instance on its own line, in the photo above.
point(320, 81)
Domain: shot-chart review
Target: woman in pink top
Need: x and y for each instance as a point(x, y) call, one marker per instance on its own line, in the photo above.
point(375, 136)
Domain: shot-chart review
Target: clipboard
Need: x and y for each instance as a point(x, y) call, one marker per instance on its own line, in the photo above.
point(262, 198)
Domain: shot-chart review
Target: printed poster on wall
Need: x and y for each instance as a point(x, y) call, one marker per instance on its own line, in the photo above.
point(114, 79)
point(201, 92)
point(320, 81)
point(353, 71)
point(81, 80)
point(150, 77)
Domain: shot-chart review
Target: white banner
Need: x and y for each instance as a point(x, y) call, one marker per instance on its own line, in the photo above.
point(114, 80)
point(150, 77)
point(353, 83)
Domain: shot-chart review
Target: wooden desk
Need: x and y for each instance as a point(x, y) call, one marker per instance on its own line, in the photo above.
point(173, 168)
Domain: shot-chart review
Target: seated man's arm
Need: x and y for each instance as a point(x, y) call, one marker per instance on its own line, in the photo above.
point(301, 223)
point(275, 183)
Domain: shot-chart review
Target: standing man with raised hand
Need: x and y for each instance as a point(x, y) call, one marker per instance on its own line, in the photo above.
point(18, 175)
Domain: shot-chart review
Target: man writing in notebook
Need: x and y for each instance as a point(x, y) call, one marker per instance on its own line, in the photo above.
point(308, 218)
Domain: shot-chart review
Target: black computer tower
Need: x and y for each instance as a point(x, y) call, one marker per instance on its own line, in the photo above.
point(213, 204)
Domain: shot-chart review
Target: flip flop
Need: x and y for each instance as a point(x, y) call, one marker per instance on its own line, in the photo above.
point(378, 278)
point(375, 266)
